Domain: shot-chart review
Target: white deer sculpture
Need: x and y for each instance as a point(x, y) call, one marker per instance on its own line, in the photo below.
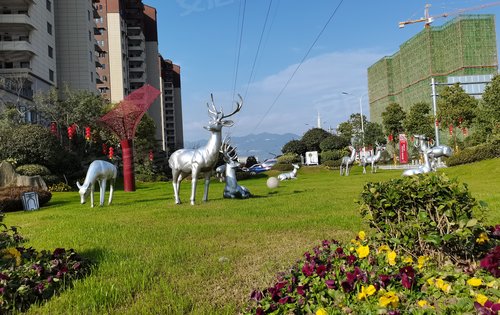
point(430, 155)
point(99, 171)
point(373, 160)
point(289, 175)
point(347, 161)
point(232, 189)
point(184, 162)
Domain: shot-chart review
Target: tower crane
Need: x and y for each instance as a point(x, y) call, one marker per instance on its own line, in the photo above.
point(428, 19)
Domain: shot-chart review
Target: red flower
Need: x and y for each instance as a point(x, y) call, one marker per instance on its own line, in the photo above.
point(308, 269)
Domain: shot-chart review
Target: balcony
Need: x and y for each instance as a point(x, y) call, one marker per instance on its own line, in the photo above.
point(16, 3)
point(136, 56)
point(16, 23)
point(16, 50)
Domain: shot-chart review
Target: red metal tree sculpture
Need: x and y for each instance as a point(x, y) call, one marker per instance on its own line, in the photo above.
point(123, 121)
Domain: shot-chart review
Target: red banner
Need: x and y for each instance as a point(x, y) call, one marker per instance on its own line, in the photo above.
point(403, 149)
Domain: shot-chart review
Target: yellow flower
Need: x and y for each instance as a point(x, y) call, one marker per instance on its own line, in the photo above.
point(391, 258)
point(366, 292)
point(475, 282)
point(421, 261)
point(383, 248)
point(363, 251)
point(481, 299)
point(430, 281)
point(389, 298)
point(12, 253)
point(351, 249)
point(422, 303)
point(362, 235)
point(483, 238)
point(321, 311)
point(408, 260)
point(443, 286)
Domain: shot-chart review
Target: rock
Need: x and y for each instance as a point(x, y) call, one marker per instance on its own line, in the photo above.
point(9, 177)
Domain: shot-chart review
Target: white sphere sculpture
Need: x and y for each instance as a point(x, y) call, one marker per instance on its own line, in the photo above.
point(272, 182)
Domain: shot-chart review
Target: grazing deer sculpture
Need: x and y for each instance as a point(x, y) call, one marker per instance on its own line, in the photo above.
point(347, 161)
point(430, 155)
point(373, 160)
point(289, 175)
point(101, 172)
point(184, 162)
point(232, 189)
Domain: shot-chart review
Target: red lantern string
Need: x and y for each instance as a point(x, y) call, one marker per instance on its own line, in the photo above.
point(111, 152)
point(53, 128)
point(87, 133)
point(391, 137)
point(451, 130)
point(104, 148)
point(151, 156)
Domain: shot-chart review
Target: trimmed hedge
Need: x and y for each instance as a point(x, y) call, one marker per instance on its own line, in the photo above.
point(474, 154)
point(10, 197)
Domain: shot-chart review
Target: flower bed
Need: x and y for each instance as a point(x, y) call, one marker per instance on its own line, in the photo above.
point(29, 276)
point(367, 278)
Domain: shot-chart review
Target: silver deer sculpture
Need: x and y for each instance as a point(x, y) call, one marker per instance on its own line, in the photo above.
point(347, 161)
point(194, 162)
point(373, 160)
point(232, 189)
point(289, 175)
point(430, 155)
point(101, 172)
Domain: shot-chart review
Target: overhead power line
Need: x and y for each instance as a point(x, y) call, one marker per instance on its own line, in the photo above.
point(300, 64)
point(239, 47)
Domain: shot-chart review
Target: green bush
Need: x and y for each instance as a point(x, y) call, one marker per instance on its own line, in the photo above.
point(332, 164)
point(425, 215)
point(334, 142)
point(332, 155)
point(60, 187)
point(289, 158)
point(33, 170)
point(282, 167)
point(474, 154)
point(10, 197)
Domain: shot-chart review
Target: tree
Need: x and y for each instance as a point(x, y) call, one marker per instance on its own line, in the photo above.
point(487, 121)
point(313, 137)
point(455, 107)
point(294, 146)
point(374, 134)
point(419, 120)
point(334, 142)
point(392, 119)
point(144, 139)
point(13, 106)
point(351, 129)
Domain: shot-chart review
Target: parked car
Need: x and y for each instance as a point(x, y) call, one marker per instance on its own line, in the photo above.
point(261, 167)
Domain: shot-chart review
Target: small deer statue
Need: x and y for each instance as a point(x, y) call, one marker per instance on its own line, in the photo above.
point(289, 175)
point(184, 162)
point(232, 189)
point(373, 160)
point(430, 155)
point(347, 161)
point(101, 172)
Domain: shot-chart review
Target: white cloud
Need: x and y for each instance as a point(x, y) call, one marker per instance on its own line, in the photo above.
point(316, 86)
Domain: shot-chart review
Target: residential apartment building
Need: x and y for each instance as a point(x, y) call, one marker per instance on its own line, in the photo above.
point(27, 52)
point(171, 105)
point(105, 46)
point(462, 50)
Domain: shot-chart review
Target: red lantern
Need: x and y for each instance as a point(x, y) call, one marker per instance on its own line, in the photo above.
point(111, 152)
point(70, 133)
point(104, 148)
point(151, 156)
point(87, 133)
point(53, 128)
point(451, 129)
point(391, 137)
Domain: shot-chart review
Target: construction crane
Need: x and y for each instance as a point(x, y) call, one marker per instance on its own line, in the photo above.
point(429, 19)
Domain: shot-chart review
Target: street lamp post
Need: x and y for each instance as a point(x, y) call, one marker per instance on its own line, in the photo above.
point(361, 113)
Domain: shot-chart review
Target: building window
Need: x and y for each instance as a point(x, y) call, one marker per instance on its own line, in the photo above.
point(51, 52)
point(49, 5)
point(92, 77)
point(51, 75)
point(88, 15)
point(49, 28)
point(91, 56)
point(25, 64)
point(90, 36)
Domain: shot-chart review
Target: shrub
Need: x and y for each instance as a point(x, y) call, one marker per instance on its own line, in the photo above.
point(33, 170)
point(289, 158)
point(475, 154)
point(334, 142)
point(282, 167)
point(51, 180)
point(60, 187)
point(425, 215)
point(10, 197)
point(332, 164)
point(294, 146)
point(332, 155)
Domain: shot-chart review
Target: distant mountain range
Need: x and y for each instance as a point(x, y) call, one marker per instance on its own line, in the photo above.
point(263, 145)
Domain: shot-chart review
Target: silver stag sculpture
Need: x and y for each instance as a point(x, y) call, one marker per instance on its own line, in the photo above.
point(373, 160)
point(430, 154)
point(289, 175)
point(101, 172)
point(232, 189)
point(347, 161)
point(184, 162)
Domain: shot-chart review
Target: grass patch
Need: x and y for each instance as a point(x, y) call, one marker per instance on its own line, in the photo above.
point(153, 256)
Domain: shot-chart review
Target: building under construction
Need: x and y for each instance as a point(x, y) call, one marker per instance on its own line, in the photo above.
point(465, 46)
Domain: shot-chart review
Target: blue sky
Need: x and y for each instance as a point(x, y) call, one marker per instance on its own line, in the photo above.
point(203, 37)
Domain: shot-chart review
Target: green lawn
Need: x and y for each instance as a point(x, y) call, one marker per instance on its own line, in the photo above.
point(155, 257)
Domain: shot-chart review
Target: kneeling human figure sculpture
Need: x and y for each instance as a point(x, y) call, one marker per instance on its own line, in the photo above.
point(289, 175)
point(232, 189)
point(101, 172)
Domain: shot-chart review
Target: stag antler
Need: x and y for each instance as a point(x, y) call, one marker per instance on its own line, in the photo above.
point(238, 107)
point(228, 151)
point(212, 110)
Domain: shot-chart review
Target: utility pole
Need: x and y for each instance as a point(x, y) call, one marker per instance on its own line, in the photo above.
point(434, 108)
